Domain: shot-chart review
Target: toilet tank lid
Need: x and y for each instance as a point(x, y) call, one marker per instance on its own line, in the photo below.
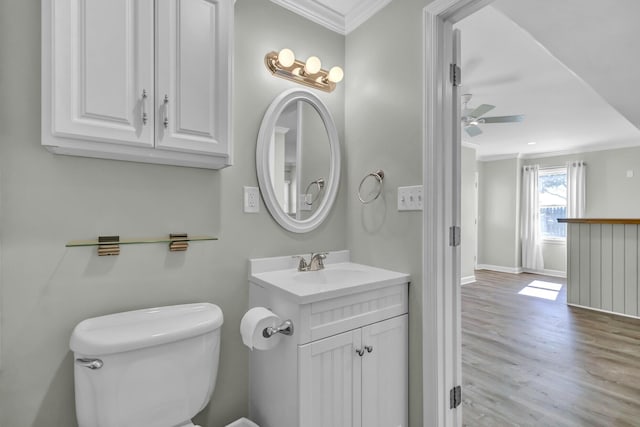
point(115, 333)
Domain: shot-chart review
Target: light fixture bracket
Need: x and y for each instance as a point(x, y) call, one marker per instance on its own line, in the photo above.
point(296, 73)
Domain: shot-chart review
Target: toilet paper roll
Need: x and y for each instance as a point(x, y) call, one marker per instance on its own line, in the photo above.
point(253, 323)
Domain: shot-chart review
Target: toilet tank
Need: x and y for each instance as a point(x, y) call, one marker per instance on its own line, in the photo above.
point(154, 368)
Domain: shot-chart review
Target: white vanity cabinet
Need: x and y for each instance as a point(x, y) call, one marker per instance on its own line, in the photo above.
point(139, 80)
point(357, 378)
point(346, 365)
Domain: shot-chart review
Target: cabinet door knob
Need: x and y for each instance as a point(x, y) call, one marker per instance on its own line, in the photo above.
point(360, 351)
point(145, 118)
point(165, 122)
point(369, 348)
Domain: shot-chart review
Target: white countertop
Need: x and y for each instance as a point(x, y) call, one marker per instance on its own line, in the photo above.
point(340, 277)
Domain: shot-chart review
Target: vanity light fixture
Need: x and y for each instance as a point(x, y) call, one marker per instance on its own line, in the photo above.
point(310, 73)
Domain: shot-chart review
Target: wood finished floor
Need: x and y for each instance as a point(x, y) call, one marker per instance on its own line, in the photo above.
point(529, 361)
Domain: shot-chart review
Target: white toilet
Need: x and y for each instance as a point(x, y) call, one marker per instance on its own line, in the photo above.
point(146, 368)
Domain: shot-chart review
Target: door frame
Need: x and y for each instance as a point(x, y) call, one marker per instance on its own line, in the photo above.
point(441, 345)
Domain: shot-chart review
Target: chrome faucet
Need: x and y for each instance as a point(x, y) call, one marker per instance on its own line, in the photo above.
point(316, 262)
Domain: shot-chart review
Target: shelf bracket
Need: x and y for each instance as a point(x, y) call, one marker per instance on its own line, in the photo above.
point(108, 245)
point(178, 242)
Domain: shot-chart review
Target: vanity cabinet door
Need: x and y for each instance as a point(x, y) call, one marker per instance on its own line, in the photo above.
point(193, 59)
point(98, 67)
point(329, 375)
point(385, 382)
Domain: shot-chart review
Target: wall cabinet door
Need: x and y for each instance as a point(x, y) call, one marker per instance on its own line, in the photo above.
point(385, 380)
point(138, 80)
point(357, 378)
point(329, 381)
point(101, 63)
point(193, 71)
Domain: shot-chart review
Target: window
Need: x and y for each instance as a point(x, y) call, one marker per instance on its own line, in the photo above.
point(552, 201)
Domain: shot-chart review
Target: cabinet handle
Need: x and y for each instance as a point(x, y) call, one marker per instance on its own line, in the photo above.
point(360, 351)
point(145, 118)
point(165, 122)
point(369, 348)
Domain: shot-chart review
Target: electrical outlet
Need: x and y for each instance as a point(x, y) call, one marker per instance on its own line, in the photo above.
point(410, 198)
point(251, 200)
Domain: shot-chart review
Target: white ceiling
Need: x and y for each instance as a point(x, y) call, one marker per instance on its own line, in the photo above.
point(505, 66)
point(570, 66)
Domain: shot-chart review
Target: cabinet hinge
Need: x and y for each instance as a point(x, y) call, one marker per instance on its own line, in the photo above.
point(455, 74)
point(455, 397)
point(454, 236)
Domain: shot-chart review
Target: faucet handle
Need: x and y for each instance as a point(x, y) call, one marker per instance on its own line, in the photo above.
point(302, 265)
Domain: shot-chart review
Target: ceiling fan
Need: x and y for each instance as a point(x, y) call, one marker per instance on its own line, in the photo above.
point(471, 118)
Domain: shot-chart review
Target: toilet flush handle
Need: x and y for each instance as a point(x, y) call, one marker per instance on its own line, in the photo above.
point(90, 363)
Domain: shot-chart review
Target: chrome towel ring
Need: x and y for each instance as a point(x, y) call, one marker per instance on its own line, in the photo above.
point(379, 176)
point(320, 183)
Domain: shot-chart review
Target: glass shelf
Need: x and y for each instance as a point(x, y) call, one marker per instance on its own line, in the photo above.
point(139, 241)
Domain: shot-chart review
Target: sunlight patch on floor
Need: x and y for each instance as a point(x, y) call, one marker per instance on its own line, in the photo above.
point(542, 289)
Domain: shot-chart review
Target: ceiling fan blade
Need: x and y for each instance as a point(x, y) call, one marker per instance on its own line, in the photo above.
point(483, 109)
point(472, 130)
point(503, 119)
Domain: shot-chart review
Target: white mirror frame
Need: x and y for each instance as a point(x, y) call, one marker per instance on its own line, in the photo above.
point(262, 161)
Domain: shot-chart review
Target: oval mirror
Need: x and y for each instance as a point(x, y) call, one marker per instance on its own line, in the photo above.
point(298, 160)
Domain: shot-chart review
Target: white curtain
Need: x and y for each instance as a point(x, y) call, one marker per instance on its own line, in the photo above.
point(576, 188)
point(530, 220)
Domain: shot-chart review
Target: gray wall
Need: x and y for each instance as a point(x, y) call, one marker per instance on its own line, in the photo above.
point(468, 212)
point(384, 131)
point(498, 235)
point(48, 200)
point(610, 194)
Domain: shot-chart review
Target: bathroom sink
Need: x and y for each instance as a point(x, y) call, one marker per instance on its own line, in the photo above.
point(339, 277)
point(338, 274)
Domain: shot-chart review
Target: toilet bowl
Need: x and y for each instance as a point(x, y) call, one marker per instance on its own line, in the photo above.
point(154, 368)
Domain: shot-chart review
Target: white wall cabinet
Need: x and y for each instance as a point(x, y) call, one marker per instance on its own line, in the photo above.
point(346, 365)
point(138, 80)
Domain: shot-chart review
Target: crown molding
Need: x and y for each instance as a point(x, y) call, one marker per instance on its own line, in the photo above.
point(498, 157)
point(365, 10)
point(318, 12)
point(585, 149)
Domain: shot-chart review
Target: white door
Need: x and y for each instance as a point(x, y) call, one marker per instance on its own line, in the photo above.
point(102, 68)
point(329, 381)
point(385, 370)
point(193, 59)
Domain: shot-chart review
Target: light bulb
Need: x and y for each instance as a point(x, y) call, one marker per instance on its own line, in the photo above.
point(286, 58)
point(312, 65)
point(336, 74)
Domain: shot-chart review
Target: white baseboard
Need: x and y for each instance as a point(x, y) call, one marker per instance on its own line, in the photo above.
point(545, 272)
point(518, 270)
point(499, 268)
point(604, 311)
point(467, 279)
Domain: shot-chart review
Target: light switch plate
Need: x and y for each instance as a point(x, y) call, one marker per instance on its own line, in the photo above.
point(251, 200)
point(410, 198)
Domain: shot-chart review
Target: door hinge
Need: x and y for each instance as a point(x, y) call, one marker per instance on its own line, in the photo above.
point(454, 235)
point(455, 74)
point(455, 397)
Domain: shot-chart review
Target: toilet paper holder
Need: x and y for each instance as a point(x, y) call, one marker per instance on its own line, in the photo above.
point(285, 328)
